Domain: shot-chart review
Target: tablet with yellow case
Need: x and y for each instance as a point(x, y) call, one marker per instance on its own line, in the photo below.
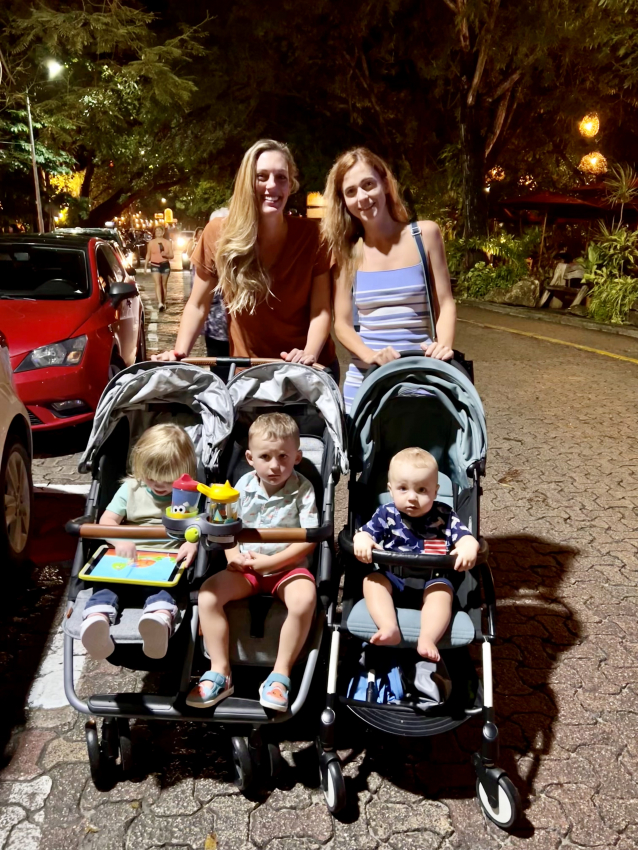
point(153, 567)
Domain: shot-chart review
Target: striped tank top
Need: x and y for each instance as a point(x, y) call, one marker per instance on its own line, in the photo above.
point(393, 310)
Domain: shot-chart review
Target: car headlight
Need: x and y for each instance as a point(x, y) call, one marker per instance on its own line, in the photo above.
point(130, 259)
point(181, 242)
point(69, 352)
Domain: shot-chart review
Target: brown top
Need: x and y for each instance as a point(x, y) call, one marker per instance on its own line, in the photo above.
point(281, 321)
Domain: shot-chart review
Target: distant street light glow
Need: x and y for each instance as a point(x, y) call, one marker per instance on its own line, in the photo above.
point(163, 200)
point(54, 68)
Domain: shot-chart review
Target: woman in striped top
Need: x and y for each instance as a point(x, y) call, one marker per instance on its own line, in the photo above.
point(366, 228)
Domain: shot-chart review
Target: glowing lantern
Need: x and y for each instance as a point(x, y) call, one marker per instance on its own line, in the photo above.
point(527, 180)
point(593, 163)
point(315, 205)
point(168, 215)
point(495, 174)
point(589, 125)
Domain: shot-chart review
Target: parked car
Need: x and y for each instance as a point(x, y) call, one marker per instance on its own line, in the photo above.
point(72, 317)
point(181, 243)
point(16, 451)
point(128, 258)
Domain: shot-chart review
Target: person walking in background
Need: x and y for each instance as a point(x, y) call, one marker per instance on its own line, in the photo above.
point(367, 231)
point(190, 247)
point(272, 269)
point(159, 252)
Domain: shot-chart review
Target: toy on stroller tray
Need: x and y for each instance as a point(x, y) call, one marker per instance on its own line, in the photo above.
point(217, 418)
point(418, 402)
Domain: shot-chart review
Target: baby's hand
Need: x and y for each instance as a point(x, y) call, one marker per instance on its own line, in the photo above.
point(125, 549)
point(363, 546)
point(466, 551)
point(186, 554)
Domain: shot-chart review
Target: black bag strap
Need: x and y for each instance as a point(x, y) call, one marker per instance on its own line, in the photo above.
point(416, 233)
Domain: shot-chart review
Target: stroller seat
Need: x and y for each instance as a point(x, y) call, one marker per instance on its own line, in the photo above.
point(255, 622)
point(461, 631)
point(125, 629)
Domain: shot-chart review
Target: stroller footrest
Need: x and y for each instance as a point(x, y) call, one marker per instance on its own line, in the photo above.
point(153, 706)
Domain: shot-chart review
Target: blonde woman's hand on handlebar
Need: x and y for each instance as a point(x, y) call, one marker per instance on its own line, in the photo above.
point(296, 355)
point(437, 351)
point(380, 358)
point(166, 356)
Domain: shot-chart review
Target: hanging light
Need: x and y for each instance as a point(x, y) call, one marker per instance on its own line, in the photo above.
point(315, 203)
point(589, 125)
point(593, 163)
point(527, 180)
point(496, 174)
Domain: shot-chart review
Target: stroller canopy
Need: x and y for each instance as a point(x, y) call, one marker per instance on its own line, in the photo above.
point(165, 383)
point(417, 401)
point(288, 383)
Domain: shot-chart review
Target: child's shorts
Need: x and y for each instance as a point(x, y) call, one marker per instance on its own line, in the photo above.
point(270, 584)
point(404, 589)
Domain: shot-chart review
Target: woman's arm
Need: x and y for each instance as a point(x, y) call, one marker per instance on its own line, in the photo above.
point(193, 317)
point(444, 305)
point(319, 327)
point(344, 327)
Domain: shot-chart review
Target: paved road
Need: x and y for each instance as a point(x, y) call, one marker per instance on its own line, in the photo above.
point(560, 510)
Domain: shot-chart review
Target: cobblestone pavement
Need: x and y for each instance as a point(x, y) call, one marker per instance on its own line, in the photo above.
point(560, 512)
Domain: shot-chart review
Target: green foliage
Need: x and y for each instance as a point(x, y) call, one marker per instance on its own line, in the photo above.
point(611, 265)
point(506, 255)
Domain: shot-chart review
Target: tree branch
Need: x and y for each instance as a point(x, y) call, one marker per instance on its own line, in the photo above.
point(486, 40)
point(511, 81)
point(498, 122)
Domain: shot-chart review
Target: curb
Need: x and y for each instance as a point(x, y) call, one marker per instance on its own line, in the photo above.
point(552, 318)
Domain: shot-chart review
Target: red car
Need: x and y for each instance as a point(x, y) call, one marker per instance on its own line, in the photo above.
point(72, 317)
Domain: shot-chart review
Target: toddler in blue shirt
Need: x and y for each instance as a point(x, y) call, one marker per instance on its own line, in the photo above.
point(414, 522)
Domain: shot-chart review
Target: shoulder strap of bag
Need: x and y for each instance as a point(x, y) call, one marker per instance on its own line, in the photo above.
point(416, 233)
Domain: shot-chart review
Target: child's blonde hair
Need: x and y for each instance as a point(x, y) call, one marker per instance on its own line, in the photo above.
point(163, 453)
point(274, 426)
point(416, 457)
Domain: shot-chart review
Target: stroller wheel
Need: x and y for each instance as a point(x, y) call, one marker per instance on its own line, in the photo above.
point(242, 763)
point(99, 761)
point(333, 785)
point(274, 760)
point(126, 749)
point(508, 810)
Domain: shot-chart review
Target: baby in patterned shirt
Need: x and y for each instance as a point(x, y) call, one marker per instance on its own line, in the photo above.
point(414, 522)
point(274, 495)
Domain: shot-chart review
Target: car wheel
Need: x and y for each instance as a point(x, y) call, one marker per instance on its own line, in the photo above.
point(17, 489)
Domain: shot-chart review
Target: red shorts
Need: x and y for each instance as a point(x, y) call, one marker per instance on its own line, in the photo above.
point(270, 584)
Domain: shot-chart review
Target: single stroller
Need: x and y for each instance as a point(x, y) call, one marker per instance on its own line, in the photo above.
point(312, 398)
point(430, 404)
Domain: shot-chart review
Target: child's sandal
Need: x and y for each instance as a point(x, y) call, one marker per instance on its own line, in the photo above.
point(274, 692)
point(211, 689)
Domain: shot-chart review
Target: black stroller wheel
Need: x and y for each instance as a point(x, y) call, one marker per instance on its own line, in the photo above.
point(275, 762)
point(508, 810)
point(98, 760)
point(126, 747)
point(333, 786)
point(242, 764)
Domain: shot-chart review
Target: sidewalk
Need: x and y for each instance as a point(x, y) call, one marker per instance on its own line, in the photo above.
point(557, 317)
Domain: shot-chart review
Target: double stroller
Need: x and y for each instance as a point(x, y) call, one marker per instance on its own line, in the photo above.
point(217, 418)
point(414, 401)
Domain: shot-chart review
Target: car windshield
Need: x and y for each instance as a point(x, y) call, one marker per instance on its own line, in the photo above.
point(38, 272)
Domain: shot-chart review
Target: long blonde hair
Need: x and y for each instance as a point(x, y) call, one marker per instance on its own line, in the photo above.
point(243, 280)
point(341, 230)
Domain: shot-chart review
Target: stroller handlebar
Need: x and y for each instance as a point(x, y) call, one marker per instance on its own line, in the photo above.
point(239, 362)
point(399, 559)
point(82, 527)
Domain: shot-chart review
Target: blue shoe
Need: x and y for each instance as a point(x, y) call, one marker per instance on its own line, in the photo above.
point(211, 689)
point(274, 692)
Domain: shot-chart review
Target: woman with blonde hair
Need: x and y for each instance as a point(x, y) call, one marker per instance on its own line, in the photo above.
point(377, 257)
point(272, 270)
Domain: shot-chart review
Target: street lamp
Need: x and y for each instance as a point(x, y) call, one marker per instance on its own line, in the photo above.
point(163, 200)
point(54, 69)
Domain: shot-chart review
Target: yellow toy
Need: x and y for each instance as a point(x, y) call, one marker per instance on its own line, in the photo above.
point(224, 501)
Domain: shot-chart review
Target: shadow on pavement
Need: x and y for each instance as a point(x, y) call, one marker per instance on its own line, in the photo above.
point(61, 441)
point(27, 621)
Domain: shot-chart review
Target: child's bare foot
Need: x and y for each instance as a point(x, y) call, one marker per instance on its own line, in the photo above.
point(387, 637)
point(427, 649)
